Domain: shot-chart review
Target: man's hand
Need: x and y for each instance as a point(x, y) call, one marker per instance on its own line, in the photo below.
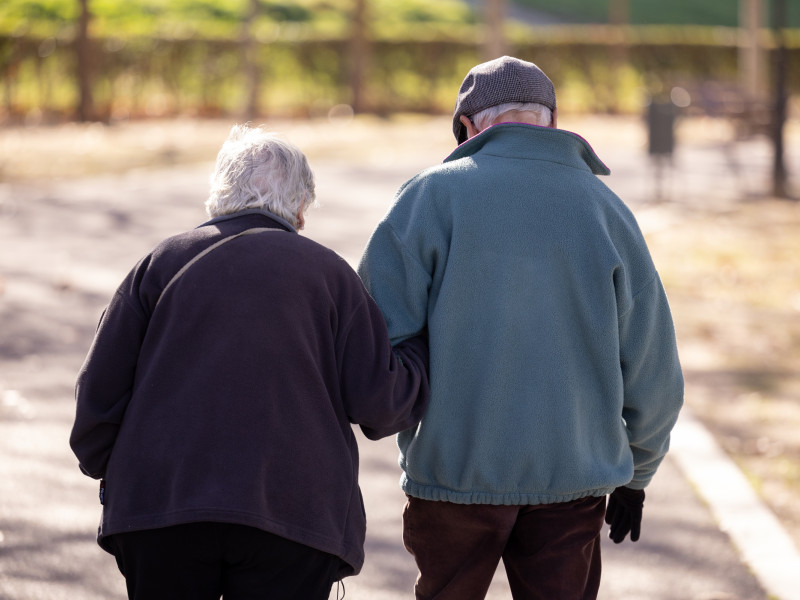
point(624, 513)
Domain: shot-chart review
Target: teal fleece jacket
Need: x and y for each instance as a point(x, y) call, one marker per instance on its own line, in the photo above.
point(554, 370)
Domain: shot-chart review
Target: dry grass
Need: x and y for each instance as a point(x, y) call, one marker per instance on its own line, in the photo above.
point(734, 285)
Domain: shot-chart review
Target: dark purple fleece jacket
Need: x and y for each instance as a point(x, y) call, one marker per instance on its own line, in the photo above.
point(233, 400)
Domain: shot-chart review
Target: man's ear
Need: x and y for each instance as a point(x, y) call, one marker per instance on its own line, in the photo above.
point(554, 121)
point(472, 131)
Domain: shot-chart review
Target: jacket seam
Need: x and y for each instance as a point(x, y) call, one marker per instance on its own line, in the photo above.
point(404, 248)
point(637, 294)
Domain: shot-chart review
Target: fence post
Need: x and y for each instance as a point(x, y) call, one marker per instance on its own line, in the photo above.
point(85, 108)
point(779, 174)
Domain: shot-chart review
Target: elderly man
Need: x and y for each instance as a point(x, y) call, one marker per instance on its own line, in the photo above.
point(217, 399)
point(555, 379)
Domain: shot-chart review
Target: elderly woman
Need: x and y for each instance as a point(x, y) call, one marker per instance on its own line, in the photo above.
point(217, 399)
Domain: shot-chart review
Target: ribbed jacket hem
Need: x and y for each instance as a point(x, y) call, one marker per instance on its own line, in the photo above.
point(352, 557)
point(436, 493)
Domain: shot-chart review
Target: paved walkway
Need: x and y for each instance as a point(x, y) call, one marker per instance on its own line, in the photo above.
point(65, 245)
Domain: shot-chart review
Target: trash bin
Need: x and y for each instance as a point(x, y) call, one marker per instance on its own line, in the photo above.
point(661, 127)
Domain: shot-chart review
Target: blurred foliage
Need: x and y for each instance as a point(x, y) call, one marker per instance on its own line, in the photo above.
point(169, 57)
point(223, 18)
point(149, 77)
point(647, 12)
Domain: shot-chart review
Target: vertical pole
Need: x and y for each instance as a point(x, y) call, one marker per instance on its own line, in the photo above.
point(619, 15)
point(752, 67)
point(779, 174)
point(250, 53)
point(85, 109)
point(619, 12)
point(358, 55)
point(494, 18)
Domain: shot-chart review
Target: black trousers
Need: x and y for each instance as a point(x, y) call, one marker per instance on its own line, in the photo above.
point(203, 561)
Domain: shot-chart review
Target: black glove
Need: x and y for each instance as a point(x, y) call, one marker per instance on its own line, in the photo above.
point(624, 513)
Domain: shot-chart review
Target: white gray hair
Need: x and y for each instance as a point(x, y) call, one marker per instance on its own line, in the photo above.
point(486, 117)
point(256, 169)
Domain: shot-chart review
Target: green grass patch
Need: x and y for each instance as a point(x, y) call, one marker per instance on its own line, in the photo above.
point(647, 12)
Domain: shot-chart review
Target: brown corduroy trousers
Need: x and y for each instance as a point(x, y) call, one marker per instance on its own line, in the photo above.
point(550, 551)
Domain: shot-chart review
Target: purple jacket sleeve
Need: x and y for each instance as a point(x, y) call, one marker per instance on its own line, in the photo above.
point(385, 390)
point(105, 384)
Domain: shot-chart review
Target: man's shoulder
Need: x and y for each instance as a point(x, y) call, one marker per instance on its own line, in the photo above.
point(443, 176)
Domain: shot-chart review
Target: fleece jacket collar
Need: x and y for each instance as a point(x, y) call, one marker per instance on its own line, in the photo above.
point(532, 141)
point(252, 211)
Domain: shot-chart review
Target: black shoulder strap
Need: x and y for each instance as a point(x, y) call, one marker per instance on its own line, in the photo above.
point(213, 246)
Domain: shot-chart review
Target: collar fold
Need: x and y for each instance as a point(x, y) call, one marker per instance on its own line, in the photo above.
point(533, 141)
point(252, 211)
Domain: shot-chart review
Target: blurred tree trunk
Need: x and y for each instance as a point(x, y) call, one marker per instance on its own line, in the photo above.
point(752, 58)
point(494, 16)
point(251, 70)
point(780, 187)
point(619, 15)
point(83, 47)
point(619, 12)
point(359, 56)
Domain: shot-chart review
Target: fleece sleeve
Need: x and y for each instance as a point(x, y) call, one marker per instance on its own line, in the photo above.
point(398, 282)
point(385, 389)
point(105, 384)
point(652, 378)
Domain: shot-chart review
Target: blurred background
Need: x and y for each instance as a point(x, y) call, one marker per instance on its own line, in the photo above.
point(111, 112)
point(110, 60)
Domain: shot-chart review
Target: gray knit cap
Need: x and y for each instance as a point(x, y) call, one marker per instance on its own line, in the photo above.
point(505, 79)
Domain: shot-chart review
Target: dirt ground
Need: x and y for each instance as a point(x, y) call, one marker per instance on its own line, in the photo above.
point(728, 253)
